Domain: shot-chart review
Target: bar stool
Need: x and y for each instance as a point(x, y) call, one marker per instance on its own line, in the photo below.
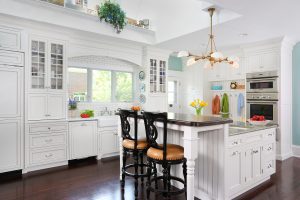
point(163, 154)
point(133, 146)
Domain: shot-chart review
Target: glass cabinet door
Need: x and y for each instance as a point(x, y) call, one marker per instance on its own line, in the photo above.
point(57, 63)
point(162, 76)
point(153, 75)
point(38, 64)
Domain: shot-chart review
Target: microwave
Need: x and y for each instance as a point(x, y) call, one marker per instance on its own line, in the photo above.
point(262, 82)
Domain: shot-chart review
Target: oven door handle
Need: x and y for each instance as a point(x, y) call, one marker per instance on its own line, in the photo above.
point(261, 80)
point(262, 102)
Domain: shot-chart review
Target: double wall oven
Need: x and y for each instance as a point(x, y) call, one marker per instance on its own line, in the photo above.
point(262, 95)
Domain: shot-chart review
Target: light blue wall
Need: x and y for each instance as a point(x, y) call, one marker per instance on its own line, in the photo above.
point(175, 63)
point(296, 94)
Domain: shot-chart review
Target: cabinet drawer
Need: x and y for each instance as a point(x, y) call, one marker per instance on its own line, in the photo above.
point(269, 148)
point(269, 166)
point(10, 38)
point(11, 58)
point(233, 143)
point(47, 128)
point(270, 134)
point(252, 138)
point(48, 156)
point(37, 141)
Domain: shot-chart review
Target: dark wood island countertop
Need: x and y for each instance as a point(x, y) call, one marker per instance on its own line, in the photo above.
point(193, 120)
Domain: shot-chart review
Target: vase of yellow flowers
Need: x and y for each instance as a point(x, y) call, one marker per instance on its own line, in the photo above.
point(199, 105)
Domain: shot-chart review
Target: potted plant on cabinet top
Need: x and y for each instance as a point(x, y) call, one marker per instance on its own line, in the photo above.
point(113, 14)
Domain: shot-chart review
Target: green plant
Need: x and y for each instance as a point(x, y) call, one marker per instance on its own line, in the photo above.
point(113, 14)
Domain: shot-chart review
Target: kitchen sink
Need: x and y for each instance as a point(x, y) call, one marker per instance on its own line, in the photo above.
point(107, 120)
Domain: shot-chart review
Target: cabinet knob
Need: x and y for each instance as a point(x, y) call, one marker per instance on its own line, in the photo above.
point(256, 151)
point(270, 148)
point(269, 166)
point(49, 155)
point(48, 140)
point(234, 153)
point(235, 143)
point(49, 128)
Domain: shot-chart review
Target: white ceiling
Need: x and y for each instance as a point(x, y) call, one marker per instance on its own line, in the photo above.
point(260, 19)
point(174, 18)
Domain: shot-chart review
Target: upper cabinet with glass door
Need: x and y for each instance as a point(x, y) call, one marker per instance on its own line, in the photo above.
point(158, 69)
point(47, 66)
point(38, 64)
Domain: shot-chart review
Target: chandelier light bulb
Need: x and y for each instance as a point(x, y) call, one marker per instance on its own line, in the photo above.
point(208, 65)
point(233, 59)
point(183, 54)
point(190, 61)
point(217, 55)
point(235, 65)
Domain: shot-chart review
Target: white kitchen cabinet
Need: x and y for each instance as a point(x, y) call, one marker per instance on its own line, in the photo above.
point(157, 75)
point(264, 61)
point(10, 145)
point(83, 139)
point(46, 145)
point(234, 159)
point(56, 106)
point(48, 65)
point(250, 158)
point(109, 142)
point(46, 106)
point(11, 58)
point(11, 89)
point(10, 38)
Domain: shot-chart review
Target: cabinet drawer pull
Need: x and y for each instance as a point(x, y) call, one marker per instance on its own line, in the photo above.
point(235, 143)
point(270, 134)
point(270, 148)
point(234, 153)
point(269, 166)
point(49, 155)
point(115, 133)
point(48, 140)
point(256, 151)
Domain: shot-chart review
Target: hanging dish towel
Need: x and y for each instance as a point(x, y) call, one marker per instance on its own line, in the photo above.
point(240, 104)
point(225, 106)
point(216, 105)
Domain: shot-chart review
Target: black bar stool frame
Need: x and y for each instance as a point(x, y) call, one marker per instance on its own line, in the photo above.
point(152, 135)
point(136, 153)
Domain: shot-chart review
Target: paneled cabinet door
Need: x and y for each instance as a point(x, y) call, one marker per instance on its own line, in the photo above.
point(11, 84)
point(37, 106)
point(256, 162)
point(47, 65)
point(56, 106)
point(10, 145)
point(10, 39)
point(56, 70)
point(109, 141)
point(38, 64)
point(234, 167)
point(83, 139)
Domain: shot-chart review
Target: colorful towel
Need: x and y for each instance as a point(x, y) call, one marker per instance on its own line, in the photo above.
point(240, 104)
point(216, 105)
point(225, 106)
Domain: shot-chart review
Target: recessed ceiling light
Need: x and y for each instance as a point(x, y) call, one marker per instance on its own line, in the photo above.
point(243, 34)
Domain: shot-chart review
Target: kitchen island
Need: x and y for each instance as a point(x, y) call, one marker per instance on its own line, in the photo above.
point(216, 161)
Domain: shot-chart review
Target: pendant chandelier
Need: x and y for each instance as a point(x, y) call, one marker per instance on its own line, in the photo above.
point(212, 56)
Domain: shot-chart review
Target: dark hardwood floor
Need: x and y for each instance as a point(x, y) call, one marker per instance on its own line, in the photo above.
point(92, 180)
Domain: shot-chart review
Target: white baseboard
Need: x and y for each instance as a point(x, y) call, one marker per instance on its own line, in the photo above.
point(283, 157)
point(296, 151)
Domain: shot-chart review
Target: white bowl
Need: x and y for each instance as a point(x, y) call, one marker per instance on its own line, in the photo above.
point(259, 123)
